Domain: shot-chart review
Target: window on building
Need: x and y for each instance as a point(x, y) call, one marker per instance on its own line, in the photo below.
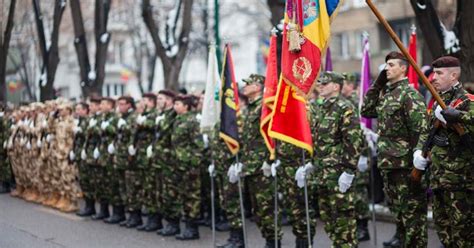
point(401, 28)
point(359, 39)
point(113, 89)
point(340, 45)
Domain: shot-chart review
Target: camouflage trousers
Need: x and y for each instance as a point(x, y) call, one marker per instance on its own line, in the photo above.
point(294, 201)
point(454, 218)
point(191, 194)
point(408, 202)
point(229, 200)
point(68, 184)
point(338, 213)
point(99, 182)
point(172, 188)
point(152, 189)
point(361, 194)
point(5, 169)
point(86, 179)
point(115, 190)
point(133, 186)
point(262, 194)
point(15, 163)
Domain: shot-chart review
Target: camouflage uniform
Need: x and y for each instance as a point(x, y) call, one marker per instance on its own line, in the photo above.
point(93, 141)
point(337, 143)
point(107, 182)
point(5, 170)
point(261, 189)
point(188, 145)
point(401, 114)
point(78, 145)
point(451, 175)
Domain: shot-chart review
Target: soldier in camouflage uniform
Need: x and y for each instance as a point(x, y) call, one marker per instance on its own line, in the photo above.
point(5, 170)
point(450, 173)
point(116, 190)
point(337, 142)
point(81, 123)
point(254, 152)
point(188, 146)
point(350, 90)
point(401, 114)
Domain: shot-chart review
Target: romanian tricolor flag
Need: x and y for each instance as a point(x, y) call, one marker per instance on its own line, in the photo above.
point(412, 76)
point(229, 131)
point(305, 35)
point(271, 84)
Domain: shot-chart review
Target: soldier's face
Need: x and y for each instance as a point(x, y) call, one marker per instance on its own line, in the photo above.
point(444, 78)
point(329, 89)
point(149, 103)
point(80, 111)
point(106, 106)
point(395, 69)
point(180, 108)
point(94, 107)
point(161, 101)
point(347, 88)
point(123, 106)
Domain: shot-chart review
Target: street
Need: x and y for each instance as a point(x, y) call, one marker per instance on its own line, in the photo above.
point(24, 224)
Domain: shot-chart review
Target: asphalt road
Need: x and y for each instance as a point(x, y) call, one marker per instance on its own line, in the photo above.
point(25, 225)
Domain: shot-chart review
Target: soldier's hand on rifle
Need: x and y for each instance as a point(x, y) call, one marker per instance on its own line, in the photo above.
point(419, 161)
point(131, 150)
point(83, 154)
point(96, 153)
point(451, 115)
point(438, 114)
point(362, 164)
point(381, 79)
point(121, 123)
point(345, 181)
point(92, 122)
point(104, 125)
point(111, 148)
point(141, 119)
point(72, 155)
point(77, 129)
point(267, 169)
point(149, 151)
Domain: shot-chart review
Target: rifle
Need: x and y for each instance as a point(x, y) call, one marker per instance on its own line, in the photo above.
point(460, 130)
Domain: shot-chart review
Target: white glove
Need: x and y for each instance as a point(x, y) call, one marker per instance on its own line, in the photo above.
point(212, 170)
point(121, 123)
point(77, 129)
point(419, 161)
point(345, 181)
point(300, 176)
point(199, 117)
point(5, 144)
point(39, 144)
point(10, 144)
point(111, 148)
point(48, 138)
point(76, 122)
point(267, 169)
point(205, 139)
point(96, 153)
point(28, 145)
point(234, 172)
point(438, 114)
point(83, 154)
point(149, 151)
point(275, 166)
point(44, 124)
point(2, 114)
point(92, 122)
point(308, 168)
point(140, 119)
point(131, 150)
point(72, 155)
point(104, 125)
point(362, 165)
point(159, 118)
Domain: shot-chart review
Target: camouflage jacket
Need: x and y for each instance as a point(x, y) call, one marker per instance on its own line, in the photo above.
point(144, 135)
point(108, 136)
point(4, 134)
point(64, 138)
point(452, 165)
point(123, 139)
point(220, 154)
point(187, 142)
point(254, 150)
point(93, 139)
point(163, 146)
point(79, 138)
point(337, 139)
point(401, 115)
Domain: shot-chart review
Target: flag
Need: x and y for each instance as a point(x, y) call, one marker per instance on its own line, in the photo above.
point(289, 121)
point(305, 35)
point(269, 92)
point(412, 76)
point(229, 131)
point(328, 60)
point(211, 107)
point(365, 81)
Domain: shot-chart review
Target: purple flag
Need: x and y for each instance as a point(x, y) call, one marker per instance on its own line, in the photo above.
point(365, 81)
point(328, 60)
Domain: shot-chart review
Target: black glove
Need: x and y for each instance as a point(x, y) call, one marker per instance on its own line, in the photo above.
point(451, 115)
point(381, 79)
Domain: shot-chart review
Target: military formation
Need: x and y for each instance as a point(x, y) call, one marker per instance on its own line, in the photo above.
point(130, 159)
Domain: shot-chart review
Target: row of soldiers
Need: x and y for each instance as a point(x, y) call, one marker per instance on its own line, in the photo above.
point(153, 156)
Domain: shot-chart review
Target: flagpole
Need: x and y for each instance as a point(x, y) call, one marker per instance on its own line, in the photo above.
point(241, 199)
point(308, 227)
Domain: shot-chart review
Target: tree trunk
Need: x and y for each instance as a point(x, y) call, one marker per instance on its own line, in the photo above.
point(4, 45)
point(151, 71)
point(465, 27)
point(102, 41)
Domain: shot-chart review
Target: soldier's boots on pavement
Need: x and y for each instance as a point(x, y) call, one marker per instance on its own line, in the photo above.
point(61, 203)
point(124, 222)
point(69, 206)
point(363, 230)
point(152, 224)
point(301, 243)
point(117, 216)
point(32, 196)
point(236, 239)
point(190, 232)
point(271, 244)
point(223, 226)
point(89, 208)
point(395, 241)
point(171, 229)
point(135, 219)
point(103, 211)
point(52, 199)
point(17, 191)
point(5, 187)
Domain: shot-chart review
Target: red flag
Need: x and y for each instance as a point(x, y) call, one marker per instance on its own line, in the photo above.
point(289, 121)
point(271, 83)
point(412, 76)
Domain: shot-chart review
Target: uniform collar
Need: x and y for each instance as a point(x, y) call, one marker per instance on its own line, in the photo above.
point(391, 86)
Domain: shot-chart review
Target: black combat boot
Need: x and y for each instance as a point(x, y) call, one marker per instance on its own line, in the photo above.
point(223, 224)
point(270, 243)
point(301, 243)
point(118, 215)
point(89, 208)
point(171, 229)
point(362, 230)
point(135, 219)
point(124, 223)
point(394, 242)
point(4, 187)
point(236, 239)
point(154, 223)
point(191, 232)
point(103, 212)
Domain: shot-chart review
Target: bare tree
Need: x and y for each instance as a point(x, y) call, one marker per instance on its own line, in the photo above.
point(173, 49)
point(464, 28)
point(4, 45)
